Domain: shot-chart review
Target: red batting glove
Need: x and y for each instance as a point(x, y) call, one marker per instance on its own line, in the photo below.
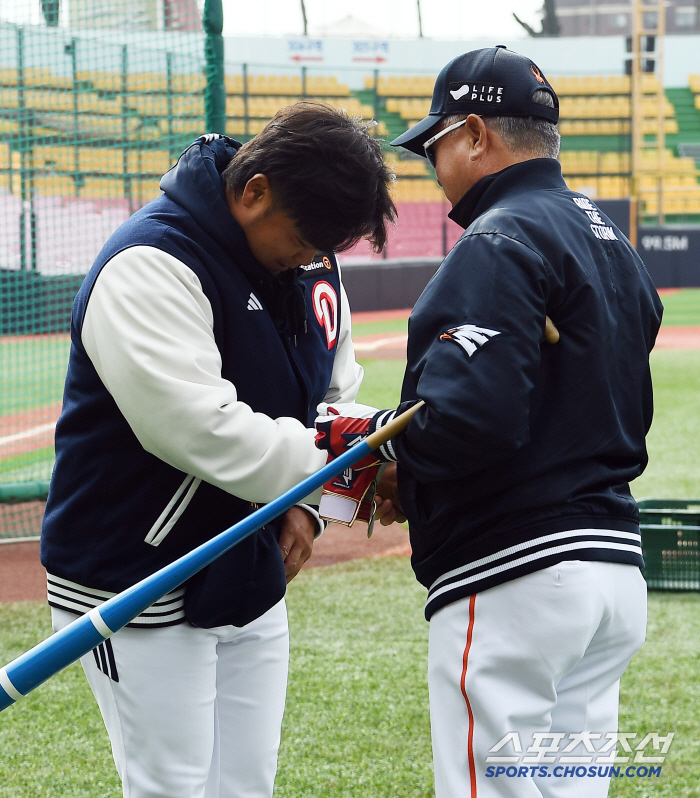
point(349, 496)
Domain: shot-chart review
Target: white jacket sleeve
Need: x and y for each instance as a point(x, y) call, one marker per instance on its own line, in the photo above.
point(148, 330)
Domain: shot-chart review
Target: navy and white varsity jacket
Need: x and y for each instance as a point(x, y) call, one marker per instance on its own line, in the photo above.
point(192, 386)
point(525, 451)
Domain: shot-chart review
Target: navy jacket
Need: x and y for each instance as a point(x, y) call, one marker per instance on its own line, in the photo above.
point(107, 490)
point(525, 452)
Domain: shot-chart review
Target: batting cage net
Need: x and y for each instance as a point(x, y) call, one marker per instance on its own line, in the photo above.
point(89, 122)
point(91, 117)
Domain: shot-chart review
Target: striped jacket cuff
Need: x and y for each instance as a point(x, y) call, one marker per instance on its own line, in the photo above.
point(386, 451)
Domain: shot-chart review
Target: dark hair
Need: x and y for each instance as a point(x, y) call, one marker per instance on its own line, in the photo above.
point(326, 171)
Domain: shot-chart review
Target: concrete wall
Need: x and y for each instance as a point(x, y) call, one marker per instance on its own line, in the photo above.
point(672, 256)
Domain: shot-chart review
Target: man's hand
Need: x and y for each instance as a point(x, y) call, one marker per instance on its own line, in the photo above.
point(387, 498)
point(296, 539)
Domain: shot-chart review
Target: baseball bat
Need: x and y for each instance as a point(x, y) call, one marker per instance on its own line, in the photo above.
point(46, 659)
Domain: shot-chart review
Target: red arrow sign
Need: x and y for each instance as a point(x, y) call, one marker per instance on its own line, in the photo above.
point(374, 59)
point(306, 58)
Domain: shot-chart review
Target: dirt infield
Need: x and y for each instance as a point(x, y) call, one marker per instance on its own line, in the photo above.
point(392, 346)
point(23, 578)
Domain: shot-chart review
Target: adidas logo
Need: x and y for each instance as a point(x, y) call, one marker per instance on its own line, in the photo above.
point(254, 303)
point(469, 337)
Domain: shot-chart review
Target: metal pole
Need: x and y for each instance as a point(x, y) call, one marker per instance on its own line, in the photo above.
point(169, 100)
point(661, 108)
point(246, 122)
point(215, 94)
point(23, 139)
point(27, 217)
point(636, 98)
point(376, 94)
point(128, 193)
point(77, 176)
point(420, 21)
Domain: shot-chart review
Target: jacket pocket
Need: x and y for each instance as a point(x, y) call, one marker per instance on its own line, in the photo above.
point(174, 509)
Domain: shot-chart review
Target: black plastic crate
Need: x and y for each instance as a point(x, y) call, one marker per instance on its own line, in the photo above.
point(671, 543)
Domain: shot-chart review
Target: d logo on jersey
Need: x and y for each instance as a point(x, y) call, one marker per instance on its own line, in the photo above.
point(469, 337)
point(325, 302)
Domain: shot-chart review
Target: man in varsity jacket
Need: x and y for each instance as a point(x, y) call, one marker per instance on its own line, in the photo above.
point(515, 475)
point(209, 328)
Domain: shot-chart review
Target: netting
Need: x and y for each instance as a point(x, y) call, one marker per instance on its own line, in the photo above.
point(88, 125)
point(21, 520)
point(92, 116)
point(90, 119)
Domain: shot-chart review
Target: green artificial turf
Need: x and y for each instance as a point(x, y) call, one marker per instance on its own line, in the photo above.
point(357, 715)
point(682, 308)
point(32, 372)
point(673, 442)
point(390, 326)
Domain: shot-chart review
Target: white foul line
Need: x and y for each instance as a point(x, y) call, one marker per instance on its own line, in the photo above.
point(30, 433)
point(371, 346)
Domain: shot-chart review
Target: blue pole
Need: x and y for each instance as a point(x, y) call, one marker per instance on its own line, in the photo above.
point(50, 656)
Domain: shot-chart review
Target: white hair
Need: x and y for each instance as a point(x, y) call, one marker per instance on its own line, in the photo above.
point(524, 134)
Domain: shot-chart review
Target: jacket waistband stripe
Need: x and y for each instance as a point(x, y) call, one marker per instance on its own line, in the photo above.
point(72, 588)
point(571, 534)
point(513, 564)
point(79, 599)
point(150, 622)
point(600, 541)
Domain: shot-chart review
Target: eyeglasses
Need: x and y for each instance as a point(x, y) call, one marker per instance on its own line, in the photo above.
point(429, 143)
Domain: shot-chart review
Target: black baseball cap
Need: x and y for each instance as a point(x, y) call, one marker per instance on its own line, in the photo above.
point(490, 82)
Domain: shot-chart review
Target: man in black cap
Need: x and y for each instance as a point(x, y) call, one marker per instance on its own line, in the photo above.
point(515, 474)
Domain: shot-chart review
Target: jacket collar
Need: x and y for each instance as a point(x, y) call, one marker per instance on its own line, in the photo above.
point(537, 173)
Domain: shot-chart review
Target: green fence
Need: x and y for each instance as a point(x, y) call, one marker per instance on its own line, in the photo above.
point(88, 124)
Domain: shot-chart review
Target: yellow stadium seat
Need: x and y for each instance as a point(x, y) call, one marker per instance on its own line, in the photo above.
point(49, 100)
point(233, 84)
point(98, 159)
point(9, 98)
point(693, 205)
point(105, 81)
point(55, 157)
point(255, 126)
point(235, 127)
point(145, 190)
point(192, 127)
point(147, 161)
point(188, 83)
point(48, 185)
point(235, 106)
point(8, 76)
point(291, 85)
point(102, 188)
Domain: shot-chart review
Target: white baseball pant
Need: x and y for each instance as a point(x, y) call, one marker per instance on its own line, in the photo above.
point(195, 713)
point(541, 653)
